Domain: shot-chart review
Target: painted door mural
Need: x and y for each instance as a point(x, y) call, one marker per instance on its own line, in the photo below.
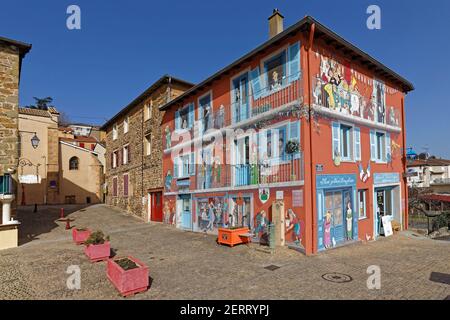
point(240, 99)
point(156, 206)
point(240, 214)
point(242, 161)
point(211, 214)
point(206, 168)
point(334, 210)
point(186, 212)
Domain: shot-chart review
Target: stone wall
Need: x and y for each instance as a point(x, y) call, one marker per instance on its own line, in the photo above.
point(9, 104)
point(144, 172)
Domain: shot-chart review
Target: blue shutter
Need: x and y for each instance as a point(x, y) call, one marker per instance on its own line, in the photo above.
point(256, 83)
point(355, 218)
point(191, 115)
point(320, 229)
point(294, 62)
point(388, 154)
point(357, 138)
point(177, 120)
point(373, 146)
point(192, 164)
point(336, 143)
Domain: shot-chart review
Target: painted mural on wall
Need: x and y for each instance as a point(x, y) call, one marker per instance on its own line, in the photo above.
point(168, 180)
point(293, 227)
point(342, 89)
point(169, 214)
point(212, 213)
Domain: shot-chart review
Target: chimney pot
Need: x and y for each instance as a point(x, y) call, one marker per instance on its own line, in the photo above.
point(275, 23)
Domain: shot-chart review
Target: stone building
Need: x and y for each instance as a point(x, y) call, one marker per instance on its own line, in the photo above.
point(134, 151)
point(62, 168)
point(11, 54)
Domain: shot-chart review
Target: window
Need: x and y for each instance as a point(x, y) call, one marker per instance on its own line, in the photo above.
point(148, 144)
point(275, 69)
point(114, 187)
point(114, 159)
point(81, 144)
point(184, 166)
point(346, 142)
point(148, 110)
point(114, 132)
point(126, 154)
point(205, 112)
point(379, 101)
point(125, 185)
point(184, 117)
point(125, 124)
point(73, 163)
point(380, 146)
point(362, 204)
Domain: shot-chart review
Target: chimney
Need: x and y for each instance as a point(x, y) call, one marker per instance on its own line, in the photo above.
point(275, 23)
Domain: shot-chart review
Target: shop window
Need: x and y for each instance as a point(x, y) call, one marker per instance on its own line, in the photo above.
point(362, 204)
point(73, 163)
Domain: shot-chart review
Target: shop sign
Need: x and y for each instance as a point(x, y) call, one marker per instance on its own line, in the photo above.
point(29, 179)
point(327, 181)
point(386, 178)
point(387, 226)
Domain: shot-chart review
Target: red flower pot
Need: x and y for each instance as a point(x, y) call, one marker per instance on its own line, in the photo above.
point(80, 236)
point(128, 282)
point(98, 252)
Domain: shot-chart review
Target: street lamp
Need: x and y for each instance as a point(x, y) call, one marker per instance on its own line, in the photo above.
point(35, 141)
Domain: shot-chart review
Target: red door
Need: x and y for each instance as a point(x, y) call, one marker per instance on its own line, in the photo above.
point(156, 206)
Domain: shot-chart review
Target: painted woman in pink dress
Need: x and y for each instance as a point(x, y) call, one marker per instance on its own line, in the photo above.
point(327, 230)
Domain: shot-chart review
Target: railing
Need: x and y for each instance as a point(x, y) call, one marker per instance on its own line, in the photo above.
point(277, 170)
point(288, 90)
point(441, 181)
point(6, 184)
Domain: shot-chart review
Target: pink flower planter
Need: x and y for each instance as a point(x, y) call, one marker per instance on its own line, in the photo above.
point(128, 282)
point(80, 236)
point(98, 252)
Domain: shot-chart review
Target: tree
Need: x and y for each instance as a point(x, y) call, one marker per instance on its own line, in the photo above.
point(64, 119)
point(41, 103)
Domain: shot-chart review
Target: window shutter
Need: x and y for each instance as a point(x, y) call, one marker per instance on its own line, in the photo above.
point(336, 143)
point(177, 120)
point(129, 154)
point(192, 164)
point(294, 62)
point(175, 167)
point(355, 217)
point(357, 133)
point(373, 146)
point(191, 115)
point(112, 160)
point(388, 147)
point(119, 157)
point(256, 83)
point(262, 137)
point(125, 185)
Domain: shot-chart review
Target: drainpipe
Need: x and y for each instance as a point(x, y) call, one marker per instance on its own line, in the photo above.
point(308, 47)
point(405, 220)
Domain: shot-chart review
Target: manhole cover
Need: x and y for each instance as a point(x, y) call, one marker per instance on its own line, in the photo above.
point(272, 267)
point(337, 277)
point(440, 277)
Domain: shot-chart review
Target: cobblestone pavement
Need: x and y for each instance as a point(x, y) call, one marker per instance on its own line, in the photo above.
point(186, 265)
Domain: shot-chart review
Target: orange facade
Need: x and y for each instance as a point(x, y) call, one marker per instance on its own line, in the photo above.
point(312, 128)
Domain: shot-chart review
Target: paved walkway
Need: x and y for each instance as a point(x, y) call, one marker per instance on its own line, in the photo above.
point(185, 265)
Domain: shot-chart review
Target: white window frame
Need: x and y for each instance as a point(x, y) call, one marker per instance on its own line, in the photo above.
point(114, 132)
point(148, 144)
point(350, 142)
point(126, 125)
point(148, 110)
point(383, 147)
point(115, 158)
point(125, 154)
point(364, 192)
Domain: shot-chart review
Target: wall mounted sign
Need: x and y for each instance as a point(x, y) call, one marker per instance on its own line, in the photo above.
point(386, 178)
point(264, 195)
point(30, 179)
point(319, 167)
point(326, 181)
point(297, 198)
point(183, 183)
point(280, 195)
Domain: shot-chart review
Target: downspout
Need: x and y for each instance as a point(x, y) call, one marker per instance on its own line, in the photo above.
point(142, 164)
point(405, 220)
point(308, 47)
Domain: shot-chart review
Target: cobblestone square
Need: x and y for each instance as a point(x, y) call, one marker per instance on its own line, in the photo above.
point(186, 265)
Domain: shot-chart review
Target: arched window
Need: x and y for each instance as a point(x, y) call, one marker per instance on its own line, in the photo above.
point(73, 163)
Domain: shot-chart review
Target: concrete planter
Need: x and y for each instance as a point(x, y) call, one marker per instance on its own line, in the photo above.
point(80, 236)
point(98, 252)
point(128, 282)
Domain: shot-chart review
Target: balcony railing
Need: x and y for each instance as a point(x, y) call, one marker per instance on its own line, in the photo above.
point(246, 106)
point(6, 184)
point(441, 181)
point(280, 170)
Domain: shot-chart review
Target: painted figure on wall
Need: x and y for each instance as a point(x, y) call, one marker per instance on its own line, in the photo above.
point(327, 230)
point(349, 219)
point(168, 138)
point(166, 212)
point(379, 98)
point(261, 224)
point(293, 224)
point(168, 180)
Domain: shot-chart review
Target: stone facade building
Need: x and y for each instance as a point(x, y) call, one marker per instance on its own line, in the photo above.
point(134, 151)
point(11, 54)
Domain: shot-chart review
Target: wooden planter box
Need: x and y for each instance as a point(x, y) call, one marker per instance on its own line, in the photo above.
point(80, 236)
point(233, 237)
point(98, 252)
point(128, 282)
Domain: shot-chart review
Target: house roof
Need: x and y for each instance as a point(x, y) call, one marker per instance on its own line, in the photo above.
point(429, 163)
point(166, 79)
point(80, 139)
point(322, 32)
point(35, 112)
point(24, 48)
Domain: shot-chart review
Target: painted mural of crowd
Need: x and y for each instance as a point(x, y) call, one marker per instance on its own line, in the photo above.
point(338, 87)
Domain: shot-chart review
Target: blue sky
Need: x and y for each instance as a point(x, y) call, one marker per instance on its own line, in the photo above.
point(124, 46)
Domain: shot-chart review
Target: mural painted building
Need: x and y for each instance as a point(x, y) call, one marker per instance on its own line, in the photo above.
point(305, 122)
